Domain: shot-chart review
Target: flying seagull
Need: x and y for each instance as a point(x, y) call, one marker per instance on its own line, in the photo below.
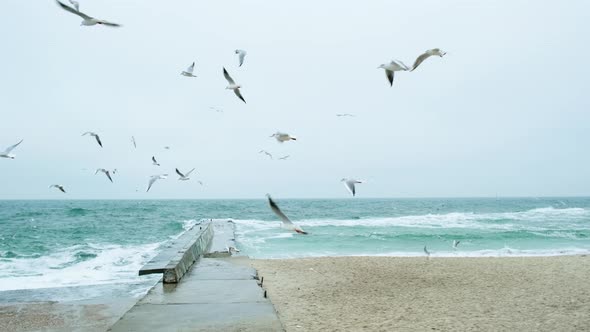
point(232, 85)
point(6, 153)
point(155, 178)
point(76, 4)
point(189, 71)
point(344, 114)
point(88, 20)
point(154, 162)
point(455, 244)
point(426, 252)
point(426, 55)
point(350, 185)
point(106, 172)
point(282, 137)
point(166, 148)
point(284, 157)
point(288, 224)
point(133, 141)
point(184, 177)
point(390, 68)
point(218, 110)
point(95, 136)
point(60, 187)
point(266, 153)
point(241, 55)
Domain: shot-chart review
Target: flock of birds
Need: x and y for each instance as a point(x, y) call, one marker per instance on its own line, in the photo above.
point(281, 137)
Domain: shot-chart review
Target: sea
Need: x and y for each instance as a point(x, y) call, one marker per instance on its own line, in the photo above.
point(53, 243)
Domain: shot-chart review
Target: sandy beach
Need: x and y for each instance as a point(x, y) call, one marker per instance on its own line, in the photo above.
point(416, 294)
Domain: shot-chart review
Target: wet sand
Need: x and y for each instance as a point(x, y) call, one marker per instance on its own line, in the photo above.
point(416, 294)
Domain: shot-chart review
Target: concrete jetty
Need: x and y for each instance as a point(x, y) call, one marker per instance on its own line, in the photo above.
point(219, 293)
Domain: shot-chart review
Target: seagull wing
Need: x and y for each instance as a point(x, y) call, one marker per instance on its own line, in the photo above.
point(76, 4)
point(191, 68)
point(73, 11)
point(349, 184)
point(242, 55)
point(227, 77)
point(109, 24)
point(98, 140)
point(62, 189)
point(237, 92)
point(189, 172)
point(133, 140)
point(419, 60)
point(179, 173)
point(154, 160)
point(108, 174)
point(10, 148)
point(152, 180)
point(389, 74)
point(87, 133)
point(274, 207)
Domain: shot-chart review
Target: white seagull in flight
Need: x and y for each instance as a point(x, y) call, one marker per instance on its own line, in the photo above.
point(344, 114)
point(133, 141)
point(106, 172)
point(60, 187)
point(266, 153)
point(284, 157)
point(154, 162)
point(455, 244)
point(95, 136)
point(189, 71)
point(184, 177)
point(282, 137)
point(390, 68)
point(155, 178)
point(350, 185)
point(426, 55)
point(88, 20)
point(232, 85)
point(288, 224)
point(6, 153)
point(241, 55)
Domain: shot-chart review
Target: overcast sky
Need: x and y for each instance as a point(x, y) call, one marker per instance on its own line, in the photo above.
point(505, 112)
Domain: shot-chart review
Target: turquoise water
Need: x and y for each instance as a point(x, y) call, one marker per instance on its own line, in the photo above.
point(66, 243)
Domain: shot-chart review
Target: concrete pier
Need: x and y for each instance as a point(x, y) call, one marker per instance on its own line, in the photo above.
point(217, 294)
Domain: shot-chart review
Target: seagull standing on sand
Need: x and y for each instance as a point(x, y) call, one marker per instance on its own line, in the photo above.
point(455, 244)
point(266, 153)
point(232, 85)
point(154, 162)
point(241, 55)
point(189, 71)
point(88, 20)
point(106, 172)
point(6, 153)
point(184, 177)
point(60, 187)
point(155, 178)
point(426, 55)
point(95, 136)
point(288, 224)
point(350, 185)
point(282, 137)
point(390, 68)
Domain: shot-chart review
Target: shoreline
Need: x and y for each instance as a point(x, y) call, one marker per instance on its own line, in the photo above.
point(415, 293)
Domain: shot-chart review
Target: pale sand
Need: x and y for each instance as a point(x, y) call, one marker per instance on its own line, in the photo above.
point(416, 294)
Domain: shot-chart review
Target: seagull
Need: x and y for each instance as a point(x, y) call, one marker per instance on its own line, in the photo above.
point(426, 55)
point(241, 55)
point(218, 110)
point(133, 141)
point(426, 252)
point(6, 153)
point(88, 20)
point(282, 137)
point(115, 171)
point(155, 178)
point(154, 162)
point(184, 177)
point(106, 172)
point(95, 136)
point(284, 157)
point(76, 4)
point(288, 224)
point(266, 153)
point(455, 244)
point(393, 66)
point(60, 187)
point(166, 148)
point(189, 71)
point(232, 85)
point(350, 185)
point(344, 114)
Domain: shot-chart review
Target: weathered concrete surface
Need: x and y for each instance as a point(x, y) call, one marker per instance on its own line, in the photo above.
point(218, 294)
point(224, 238)
point(181, 254)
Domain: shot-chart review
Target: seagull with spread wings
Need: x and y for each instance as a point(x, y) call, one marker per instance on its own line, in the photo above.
point(155, 178)
point(241, 55)
point(426, 55)
point(59, 187)
point(184, 177)
point(95, 135)
point(106, 172)
point(189, 71)
point(7, 153)
point(287, 223)
point(87, 20)
point(350, 185)
point(391, 67)
point(232, 85)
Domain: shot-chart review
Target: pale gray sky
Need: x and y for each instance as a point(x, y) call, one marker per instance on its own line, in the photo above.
point(505, 112)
